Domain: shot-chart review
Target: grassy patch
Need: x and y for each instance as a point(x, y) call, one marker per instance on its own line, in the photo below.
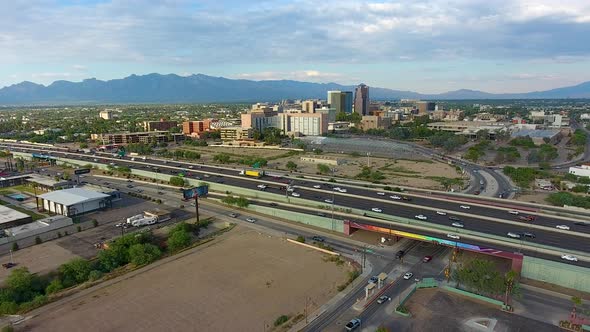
point(399, 169)
point(446, 181)
point(426, 161)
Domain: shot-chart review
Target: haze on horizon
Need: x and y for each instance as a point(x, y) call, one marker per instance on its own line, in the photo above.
point(427, 46)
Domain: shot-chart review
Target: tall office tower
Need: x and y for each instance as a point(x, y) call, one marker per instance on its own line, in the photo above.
point(335, 100)
point(361, 99)
point(347, 101)
point(309, 106)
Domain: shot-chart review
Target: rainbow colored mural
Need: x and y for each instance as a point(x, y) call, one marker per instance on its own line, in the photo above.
point(426, 238)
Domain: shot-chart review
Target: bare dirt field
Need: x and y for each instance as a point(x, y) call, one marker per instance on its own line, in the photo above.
point(440, 311)
point(42, 258)
point(534, 197)
point(238, 282)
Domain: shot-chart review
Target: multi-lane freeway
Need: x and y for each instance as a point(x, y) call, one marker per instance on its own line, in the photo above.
point(475, 218)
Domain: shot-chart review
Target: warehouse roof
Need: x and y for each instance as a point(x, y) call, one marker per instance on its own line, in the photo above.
point(532, 133)
point(73, 196)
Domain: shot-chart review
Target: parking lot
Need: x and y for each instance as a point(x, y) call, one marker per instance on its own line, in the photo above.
point(438, 310)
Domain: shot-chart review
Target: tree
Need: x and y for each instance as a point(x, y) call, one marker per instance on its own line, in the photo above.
point(74, 272)
point(323, 168)
point(178, 240)
point(141, 254)
point(177, 181)
point(113, 257)
point(222, 158)
point(54, 286)
point(291, 165)
point(23, 285)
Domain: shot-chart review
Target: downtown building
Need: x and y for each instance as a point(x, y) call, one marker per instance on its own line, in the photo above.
point(361, 99)
point(341, 101)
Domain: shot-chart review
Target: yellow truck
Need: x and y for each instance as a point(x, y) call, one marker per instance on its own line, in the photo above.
point(252, 173)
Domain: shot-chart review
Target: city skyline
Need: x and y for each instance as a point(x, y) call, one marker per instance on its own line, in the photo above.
point(425, 46)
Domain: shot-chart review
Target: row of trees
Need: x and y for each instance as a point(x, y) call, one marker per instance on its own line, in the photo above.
point(251, 161)
point(482, 277)
point(565, 198)
point(369, 174)
point(240, 201)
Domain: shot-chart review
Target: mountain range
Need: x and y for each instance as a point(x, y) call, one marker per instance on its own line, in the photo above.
point(199, 88)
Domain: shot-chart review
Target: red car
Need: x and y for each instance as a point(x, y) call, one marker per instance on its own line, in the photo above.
point(426, 259)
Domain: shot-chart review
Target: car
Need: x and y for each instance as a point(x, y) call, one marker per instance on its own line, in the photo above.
point(233, 215)
point(526, 218)
point(529, 235)
point(321, 214)
point(396, 197)
point(421, 217)
point(426, 259)
point(383, 299)
point(454, 218)
point(129, 186)
point(581, 223)
point(569, 257)
point(513, 235)
point(457, 224)
point(336, 188)
point(119, 224)
point(139, 190)
point(191, 167)
point(261, 186)
point(441, 213)
point(454, 236)
point(373, 280)
point(294, 194)
point(514, 212)
point(128, 180)
point(252, 220)
point(400, 254)
point(408, 275)
point(477, 192)
point(381, 193)
point(160, 193)
point(206, 175)
point(466, 207)
point(329, 201)
point(375, 209)
point(564, 227)
point(406, 198)
point(318, 238)
point(353, 324)
point(317, 186)
point(273, 204)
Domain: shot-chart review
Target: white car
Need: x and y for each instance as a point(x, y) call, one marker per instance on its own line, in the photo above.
point(408, 275)
point(454, 236)
point(337, 188)
point(514, 212)
point(421, 217)
point(466, 207)
point(396, 197)
point(569, 257)
point(441, 213)
point(317, 186)
point(564, 227)
point(457, 224)
point(252, 220)
point(261, 186)
point(329, 201)
point(342, 190)
point(381, 194)
point(513, 235)
point(294, 194)
point(376, 210)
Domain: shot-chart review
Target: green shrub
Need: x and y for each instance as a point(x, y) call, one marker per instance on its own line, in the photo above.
point(301, 239)
point(281, 320)
point(94, 222)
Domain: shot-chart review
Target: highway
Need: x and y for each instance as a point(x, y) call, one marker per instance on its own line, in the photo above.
point(471, 218)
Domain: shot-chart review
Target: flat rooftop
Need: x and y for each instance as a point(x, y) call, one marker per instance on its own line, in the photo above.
point(72, 196)
point(532, 133)
point(44, 180)
point(9, 215)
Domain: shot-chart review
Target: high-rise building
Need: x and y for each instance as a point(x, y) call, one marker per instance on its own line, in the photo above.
point(425, 106)
point(309, 106)
point(361, 99)
point(341, 101)
point(347, 101)
point(190, 127)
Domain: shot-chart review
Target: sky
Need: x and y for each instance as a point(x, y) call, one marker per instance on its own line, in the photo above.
point(427, 46)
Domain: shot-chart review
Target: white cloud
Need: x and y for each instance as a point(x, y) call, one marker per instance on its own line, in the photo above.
point(302, 75)
point(79, 67)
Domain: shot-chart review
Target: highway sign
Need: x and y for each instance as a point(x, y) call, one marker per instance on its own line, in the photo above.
point(82, 171)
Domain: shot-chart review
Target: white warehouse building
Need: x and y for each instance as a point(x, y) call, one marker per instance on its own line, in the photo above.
point(583, 170)
point(74, 201)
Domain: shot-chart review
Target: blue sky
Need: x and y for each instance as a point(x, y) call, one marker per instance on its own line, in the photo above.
point(421, 45)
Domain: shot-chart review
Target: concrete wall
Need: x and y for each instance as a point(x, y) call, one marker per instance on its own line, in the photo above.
point(317, 221)
point(557, 273)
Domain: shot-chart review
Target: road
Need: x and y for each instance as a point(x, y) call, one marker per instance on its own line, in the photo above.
point(471, 218)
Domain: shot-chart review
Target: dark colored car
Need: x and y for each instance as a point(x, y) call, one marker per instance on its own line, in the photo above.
point(529, 235)
point(273, 204)
point(400, 254)
point(318, 239)
point(454, 218)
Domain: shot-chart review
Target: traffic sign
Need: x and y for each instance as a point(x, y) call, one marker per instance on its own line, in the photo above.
point(82, 171)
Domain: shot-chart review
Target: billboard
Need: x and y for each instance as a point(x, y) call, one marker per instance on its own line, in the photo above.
point(197, 191)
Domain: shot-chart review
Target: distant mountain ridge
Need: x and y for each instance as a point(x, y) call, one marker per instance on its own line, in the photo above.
point(171, 88)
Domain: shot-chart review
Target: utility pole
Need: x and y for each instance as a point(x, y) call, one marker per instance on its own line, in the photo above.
point(333, 226)
point(197, 206)
point(368, 159)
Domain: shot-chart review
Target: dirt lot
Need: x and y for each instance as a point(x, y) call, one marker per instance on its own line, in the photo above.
point(534, 197)
point(238, 282)
point(41, 258)
point(437, 310)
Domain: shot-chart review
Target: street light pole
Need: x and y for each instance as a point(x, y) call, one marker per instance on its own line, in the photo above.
point(333, 226)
